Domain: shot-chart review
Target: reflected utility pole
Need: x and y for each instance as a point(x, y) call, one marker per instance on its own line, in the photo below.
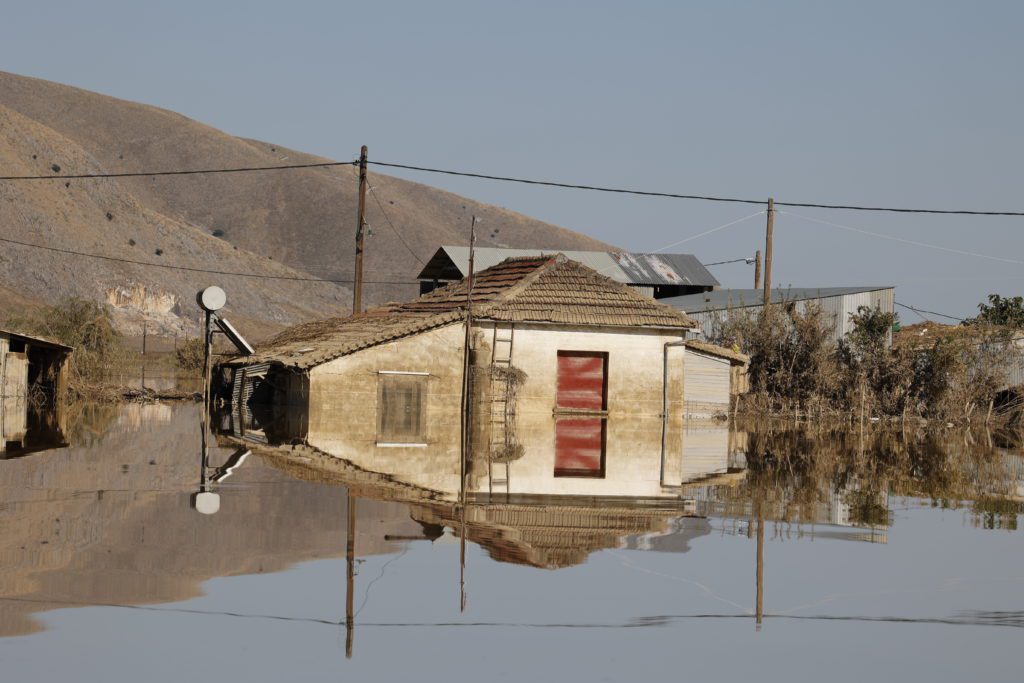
point(759, 614)
point(350, 560)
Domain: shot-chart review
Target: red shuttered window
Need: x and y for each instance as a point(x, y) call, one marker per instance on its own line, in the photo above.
point(582, 381)
point(581, 402)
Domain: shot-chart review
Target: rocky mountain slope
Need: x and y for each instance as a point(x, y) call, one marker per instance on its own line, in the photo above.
point(287, 226)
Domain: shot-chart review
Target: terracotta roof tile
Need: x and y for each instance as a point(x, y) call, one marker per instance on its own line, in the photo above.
point(550, 289)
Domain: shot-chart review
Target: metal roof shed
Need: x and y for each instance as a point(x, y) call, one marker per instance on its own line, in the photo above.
point(657, 275)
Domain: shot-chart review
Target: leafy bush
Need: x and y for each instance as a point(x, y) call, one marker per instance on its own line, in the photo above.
point(1004, 311)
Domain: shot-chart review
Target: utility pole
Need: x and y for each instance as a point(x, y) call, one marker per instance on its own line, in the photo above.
point(357, 285)
point(467, 415)
point(769, 233)
point(757, 270)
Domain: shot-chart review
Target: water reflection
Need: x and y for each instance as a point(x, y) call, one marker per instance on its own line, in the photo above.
point(112, 519)
point(109, 520)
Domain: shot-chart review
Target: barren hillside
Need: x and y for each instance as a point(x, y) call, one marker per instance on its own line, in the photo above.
point(297, 223)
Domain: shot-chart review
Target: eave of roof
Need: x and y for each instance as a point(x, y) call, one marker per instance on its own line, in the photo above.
point(716, 350)
point(42, 341)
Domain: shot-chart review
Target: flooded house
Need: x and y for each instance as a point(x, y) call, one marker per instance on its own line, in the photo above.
point(32, 372)
point(576, 384)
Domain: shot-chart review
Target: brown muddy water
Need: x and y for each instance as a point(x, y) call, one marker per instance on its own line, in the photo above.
point(758, 552)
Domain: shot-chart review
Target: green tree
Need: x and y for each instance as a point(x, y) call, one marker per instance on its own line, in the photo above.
point(1004, 311)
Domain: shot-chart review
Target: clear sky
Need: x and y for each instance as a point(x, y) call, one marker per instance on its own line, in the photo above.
point(914, 104)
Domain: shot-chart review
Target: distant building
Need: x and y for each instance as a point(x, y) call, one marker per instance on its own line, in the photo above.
point(711, 309)
point(654, 275)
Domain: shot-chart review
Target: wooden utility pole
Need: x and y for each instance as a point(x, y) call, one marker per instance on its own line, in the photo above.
point(467, 414)
point(757, 270)
point(769, 233)
point(357, 285)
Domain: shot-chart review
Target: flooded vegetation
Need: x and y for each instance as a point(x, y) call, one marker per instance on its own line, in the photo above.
point(270, 542)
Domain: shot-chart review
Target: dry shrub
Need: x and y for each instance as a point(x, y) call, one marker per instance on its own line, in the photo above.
point(190, 355)
point(795, 366)
point(792, 360)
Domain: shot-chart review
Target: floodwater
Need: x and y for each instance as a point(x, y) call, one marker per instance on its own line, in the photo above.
point(751, 552)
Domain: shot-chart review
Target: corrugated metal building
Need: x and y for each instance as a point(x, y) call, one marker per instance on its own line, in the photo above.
point(713, 375)
point(711, 309)
point(656, 275)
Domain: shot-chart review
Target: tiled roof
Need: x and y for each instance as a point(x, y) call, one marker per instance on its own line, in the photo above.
point(551, 289)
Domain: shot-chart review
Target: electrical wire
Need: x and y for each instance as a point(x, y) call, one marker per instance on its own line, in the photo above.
point(200, 171)
point(708, 232)
point(525, 181)
point(919, 311)
point(709, 198)
point(393, 228)
point(570, 186)
point(915, 243)
point(201, 270)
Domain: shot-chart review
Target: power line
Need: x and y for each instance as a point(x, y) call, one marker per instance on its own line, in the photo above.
point(919, 311)
point(200, 270)
point(525, 181)
point(709, 198)
point(571, 186)
point(200, 171)
point(393, 228)
point(915, 243)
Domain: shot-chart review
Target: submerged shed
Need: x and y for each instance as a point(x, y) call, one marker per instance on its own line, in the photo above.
point(714, 374)
point(27, 363)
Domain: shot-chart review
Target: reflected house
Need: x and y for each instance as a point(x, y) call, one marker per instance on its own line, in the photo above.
point(32, 374)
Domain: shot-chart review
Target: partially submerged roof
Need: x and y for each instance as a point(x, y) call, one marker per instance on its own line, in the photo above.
point(722, 299)
point(33, 339)
point(720, 351)
point(551, 289)
point(452, 263)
